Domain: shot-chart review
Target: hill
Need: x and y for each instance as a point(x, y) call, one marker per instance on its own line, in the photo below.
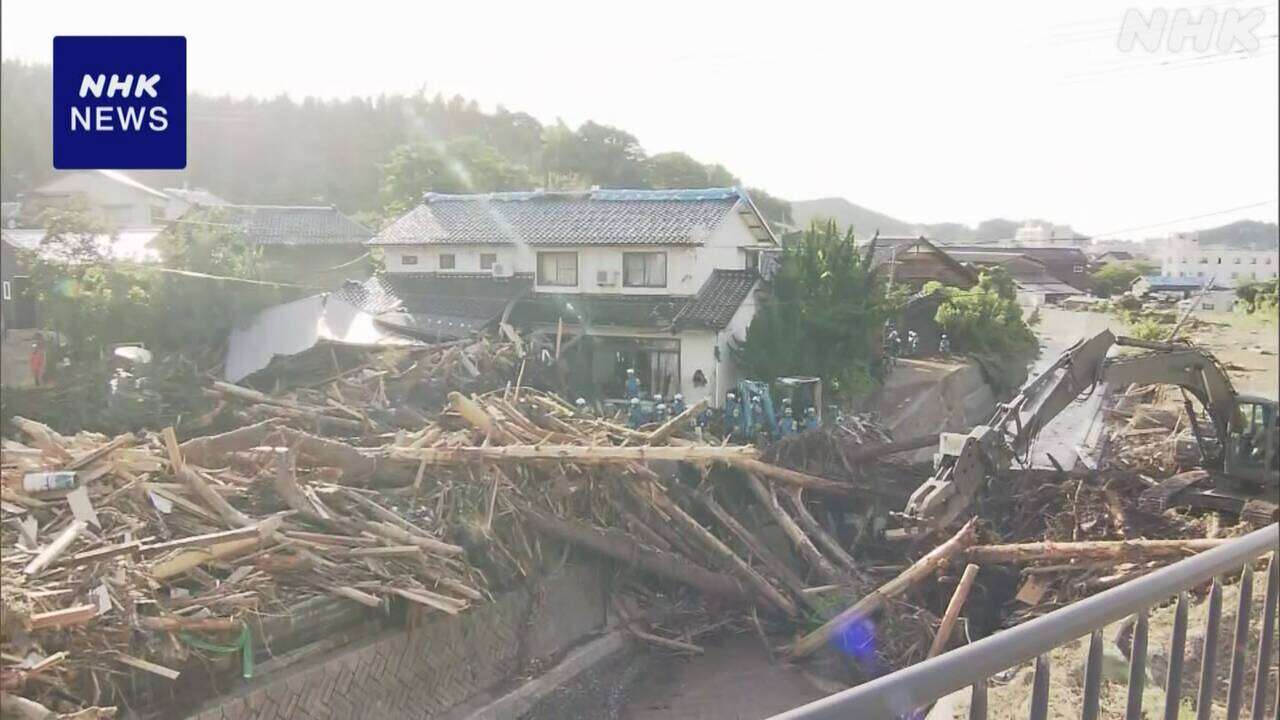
point(1243, 235)
point(865, 222)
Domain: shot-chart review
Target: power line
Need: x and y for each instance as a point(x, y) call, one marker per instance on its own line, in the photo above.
point(1185, 219)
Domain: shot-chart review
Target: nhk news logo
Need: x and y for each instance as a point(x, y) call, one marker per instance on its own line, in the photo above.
point(119, 103)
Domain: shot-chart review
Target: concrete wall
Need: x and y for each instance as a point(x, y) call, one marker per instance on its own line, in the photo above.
point(441, 663)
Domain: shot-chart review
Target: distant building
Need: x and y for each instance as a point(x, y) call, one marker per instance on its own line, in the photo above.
point(1068, 265)
point(914, 261)
point(111, 197)
point(1181, 255)
point(296, 243)
point(658, 281)
point(1035, 233)
point(1036, 285)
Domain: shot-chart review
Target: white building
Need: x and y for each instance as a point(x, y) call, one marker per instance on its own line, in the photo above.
point(1182, 256)
point(111, 196)
point(1036, 233)
point(655, 280)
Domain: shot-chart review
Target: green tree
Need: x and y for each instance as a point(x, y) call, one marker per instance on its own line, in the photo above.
point(676, 170)
point(82, 296)
point(821, 314)
point(462, 166)
point(986, 318)
point(1259, 297)
point(1114, 278)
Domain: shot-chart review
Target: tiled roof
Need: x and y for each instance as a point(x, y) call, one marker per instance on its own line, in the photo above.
point(431, 306)
point(596, 217)
point(285, 225)
point(718, 299)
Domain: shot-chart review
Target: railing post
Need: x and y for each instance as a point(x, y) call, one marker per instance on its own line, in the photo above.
point(1235, 690)
point(1137, 668)
point(1209, 653)
point(1263, 665)
point(1177, 650)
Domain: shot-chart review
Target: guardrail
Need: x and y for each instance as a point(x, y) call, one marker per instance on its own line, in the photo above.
point(903, 693)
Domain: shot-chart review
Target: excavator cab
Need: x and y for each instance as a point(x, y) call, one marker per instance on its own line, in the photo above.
point(1253, 452)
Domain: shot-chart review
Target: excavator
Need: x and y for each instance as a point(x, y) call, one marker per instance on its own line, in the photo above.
point(1242, 456)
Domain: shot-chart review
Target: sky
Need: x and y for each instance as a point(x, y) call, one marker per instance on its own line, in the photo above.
point(925, 111)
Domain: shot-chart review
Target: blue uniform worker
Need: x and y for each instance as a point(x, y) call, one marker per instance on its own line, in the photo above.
point(635, 416)
point(633, 384)
point(787, 425)
point(810, 419)
point(677, 404)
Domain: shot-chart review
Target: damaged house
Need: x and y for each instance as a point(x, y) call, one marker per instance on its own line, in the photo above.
point(658, 281)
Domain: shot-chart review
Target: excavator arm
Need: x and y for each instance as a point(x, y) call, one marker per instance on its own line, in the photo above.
point(966, 461)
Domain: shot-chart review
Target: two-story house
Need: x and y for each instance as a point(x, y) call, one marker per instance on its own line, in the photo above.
point(656, 281)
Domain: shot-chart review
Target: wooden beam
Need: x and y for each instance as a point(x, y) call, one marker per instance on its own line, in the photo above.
point(77, 615)
point(953, 610)
point(54, 550)
point(668, 428)
point(583, 454)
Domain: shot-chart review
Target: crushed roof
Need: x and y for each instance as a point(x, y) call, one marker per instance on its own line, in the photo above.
point(593, 217)
point(718, 299)
point(435, 305)
point(285, 224)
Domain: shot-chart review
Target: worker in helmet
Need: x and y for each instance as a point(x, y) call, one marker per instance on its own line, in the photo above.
point(810, 419)
point(677, 404)
point(635, 416)
point(944, 345)
point(633, 384)
point(787, 425)
point(581, 406)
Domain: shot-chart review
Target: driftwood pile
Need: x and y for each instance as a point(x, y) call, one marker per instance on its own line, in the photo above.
point(165, 549)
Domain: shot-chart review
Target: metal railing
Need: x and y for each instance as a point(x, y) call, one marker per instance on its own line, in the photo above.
point(903, 693)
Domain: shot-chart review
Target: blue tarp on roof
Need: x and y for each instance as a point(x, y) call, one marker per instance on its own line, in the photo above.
point(1169, 281)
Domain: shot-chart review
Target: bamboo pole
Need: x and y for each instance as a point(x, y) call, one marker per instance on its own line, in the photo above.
point(869, 604)
point(583, 454)
point(949, 617)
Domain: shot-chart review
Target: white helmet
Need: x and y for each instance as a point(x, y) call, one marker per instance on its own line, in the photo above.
point(679, 396)
point(635, 401)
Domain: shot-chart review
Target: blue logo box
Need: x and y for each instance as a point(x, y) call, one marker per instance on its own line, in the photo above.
point(119, 103)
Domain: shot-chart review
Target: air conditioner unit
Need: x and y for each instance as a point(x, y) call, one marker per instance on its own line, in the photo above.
point(606, 278)
point(500, 271)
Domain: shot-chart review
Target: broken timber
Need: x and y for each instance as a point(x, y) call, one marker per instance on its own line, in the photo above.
point(1105, 550)
point(868, 605)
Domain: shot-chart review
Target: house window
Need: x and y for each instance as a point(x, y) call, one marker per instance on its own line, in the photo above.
point(647, 269)
point(1266, 260)
point(558, 268)
point(448, 261)
point(408, 259)
point(1204, 261)
point(753, 260)
point(1077, 269)
point(1237, 261)
point(1219, 260)
point(488, 260)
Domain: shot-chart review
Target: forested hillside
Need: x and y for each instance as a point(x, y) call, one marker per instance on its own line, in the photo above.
point(365, 155)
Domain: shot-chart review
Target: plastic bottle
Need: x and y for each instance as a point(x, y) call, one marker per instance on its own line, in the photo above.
point(49, 481)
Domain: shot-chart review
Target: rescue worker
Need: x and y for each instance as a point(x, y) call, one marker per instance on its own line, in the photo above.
point(660, 413)
point(894, 345)
point(810, 419)
point(944, 345)
point(635, 418)
point(732, 415)
point(36, 361)
point(581, 405)
point(913, 343)
point(677, 405)
point(787, 425)
point(757, 415)
point(633, 384)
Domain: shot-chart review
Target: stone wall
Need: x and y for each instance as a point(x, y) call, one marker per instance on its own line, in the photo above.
point(437, 664)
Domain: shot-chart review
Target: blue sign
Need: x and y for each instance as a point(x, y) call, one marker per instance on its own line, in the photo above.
point(119, 103)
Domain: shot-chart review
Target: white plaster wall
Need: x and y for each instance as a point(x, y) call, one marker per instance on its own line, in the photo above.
point(1185, 257)
point(466, 258)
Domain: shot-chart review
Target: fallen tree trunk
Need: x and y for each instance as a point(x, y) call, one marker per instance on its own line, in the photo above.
point(232, 517)
point(775, 564)
point(669, 428)
point(1104, 550)
point(212, 450)
point(479, 418)
point(794, 533)
point(624, 548)
point(820, 535)
point(717, 548)
point(868, 605)
point(583, 454)
point(750, 464)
